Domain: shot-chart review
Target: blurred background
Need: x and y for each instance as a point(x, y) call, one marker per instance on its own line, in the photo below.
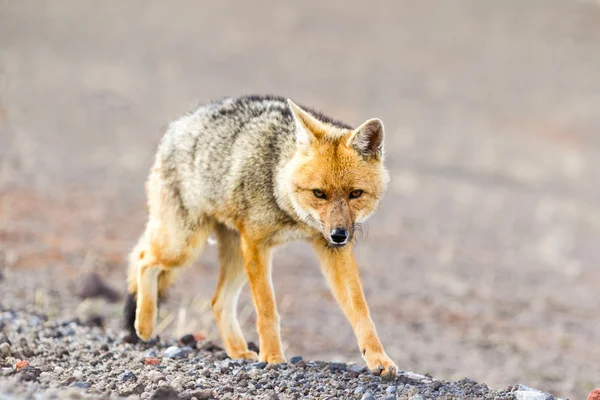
point(483, 261)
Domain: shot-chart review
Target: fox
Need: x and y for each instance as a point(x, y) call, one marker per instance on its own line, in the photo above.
point(255, 172)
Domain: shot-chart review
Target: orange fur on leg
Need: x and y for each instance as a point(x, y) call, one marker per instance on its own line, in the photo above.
point(232, 278)
point(258, 267)
point(341, 270)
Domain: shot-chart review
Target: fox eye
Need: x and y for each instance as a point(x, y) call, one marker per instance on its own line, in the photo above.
point(319, 194)
point(355, 194)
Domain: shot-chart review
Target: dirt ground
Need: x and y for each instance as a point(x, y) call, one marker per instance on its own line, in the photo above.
point(482, 262)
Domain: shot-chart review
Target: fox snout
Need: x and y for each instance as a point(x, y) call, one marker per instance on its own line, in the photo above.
point(339, 236)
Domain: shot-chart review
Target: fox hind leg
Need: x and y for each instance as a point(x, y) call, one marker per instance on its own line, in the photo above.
point(232, 278)
point(168, 244)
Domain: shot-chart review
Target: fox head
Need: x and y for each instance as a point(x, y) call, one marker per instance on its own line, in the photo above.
point(336, 177)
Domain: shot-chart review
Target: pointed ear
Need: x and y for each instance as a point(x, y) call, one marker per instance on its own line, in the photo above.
point(367, 139)
point(308, 128)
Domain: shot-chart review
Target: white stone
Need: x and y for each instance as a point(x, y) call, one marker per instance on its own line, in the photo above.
point(529, 395)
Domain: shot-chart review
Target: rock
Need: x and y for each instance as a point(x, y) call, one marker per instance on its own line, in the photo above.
point(92, 285)
point(21, 364)
point(29, 373)
point(594, 395)
point(80, 385)
point(6, 371)
point(417, 397)
point(155, 376)
point(391, 389)
point(188, 340)
point(210, 347)
point(359, 390)
point(204, 394)
point(416, 377)
point(253, 347)
point(356, 368)
point(367, 396)
point(77, 374)
point(5, 350)
point(58, 370)
point(4, 338)
point(137, 389)
point(177, 383)
point(177, 352)
point(296, 359)
point(127, 376)
point(152, 361)
point(261, 365)
point(529, 395)
point(165, 393)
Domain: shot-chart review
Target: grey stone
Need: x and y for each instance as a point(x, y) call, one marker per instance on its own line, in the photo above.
point(177, 352)
point(127, 376)
point(296, 359)
point(367, 396)
point(356, 368)
point(80, 385)
point(359, 390)
point(5, 350)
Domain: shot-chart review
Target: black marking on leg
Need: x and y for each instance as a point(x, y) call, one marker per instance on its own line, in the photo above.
point(129, 318)
point(364, 351)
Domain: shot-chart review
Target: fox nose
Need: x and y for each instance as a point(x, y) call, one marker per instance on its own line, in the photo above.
point(339, 235)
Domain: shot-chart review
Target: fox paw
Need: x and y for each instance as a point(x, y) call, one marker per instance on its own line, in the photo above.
point(143, 330)
point(381, 365)
point(272, 358)
point(248, 355)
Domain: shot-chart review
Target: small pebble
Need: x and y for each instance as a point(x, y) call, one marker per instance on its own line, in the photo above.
point(152, 361)
point(188, 340)
point(155, 376)
point(356, 368)
point(359, 390)
point(21, 364)
point(127, 376)
point(80, 385)
point(5, 350)
point(529, 395)
point(296, 359)
point(391, 389)
point(177, 352)
point(367, 396)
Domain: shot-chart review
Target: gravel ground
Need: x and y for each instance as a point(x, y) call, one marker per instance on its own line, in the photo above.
point(69, 359)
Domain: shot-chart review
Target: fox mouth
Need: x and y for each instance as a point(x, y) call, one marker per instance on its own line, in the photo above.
point(336, 245)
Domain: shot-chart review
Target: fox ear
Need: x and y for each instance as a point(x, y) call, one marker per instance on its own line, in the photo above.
point(367, 139)
point(308, 128)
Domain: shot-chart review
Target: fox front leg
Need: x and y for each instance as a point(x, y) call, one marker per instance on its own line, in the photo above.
point(340, 268)
point(258, 267)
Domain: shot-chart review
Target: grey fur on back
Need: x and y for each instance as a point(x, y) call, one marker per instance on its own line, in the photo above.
point(225, 155)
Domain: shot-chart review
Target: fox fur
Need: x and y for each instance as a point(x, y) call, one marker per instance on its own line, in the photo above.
point(257, 172)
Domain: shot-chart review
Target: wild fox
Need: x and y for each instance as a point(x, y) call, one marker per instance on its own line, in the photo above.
point(259, 171)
